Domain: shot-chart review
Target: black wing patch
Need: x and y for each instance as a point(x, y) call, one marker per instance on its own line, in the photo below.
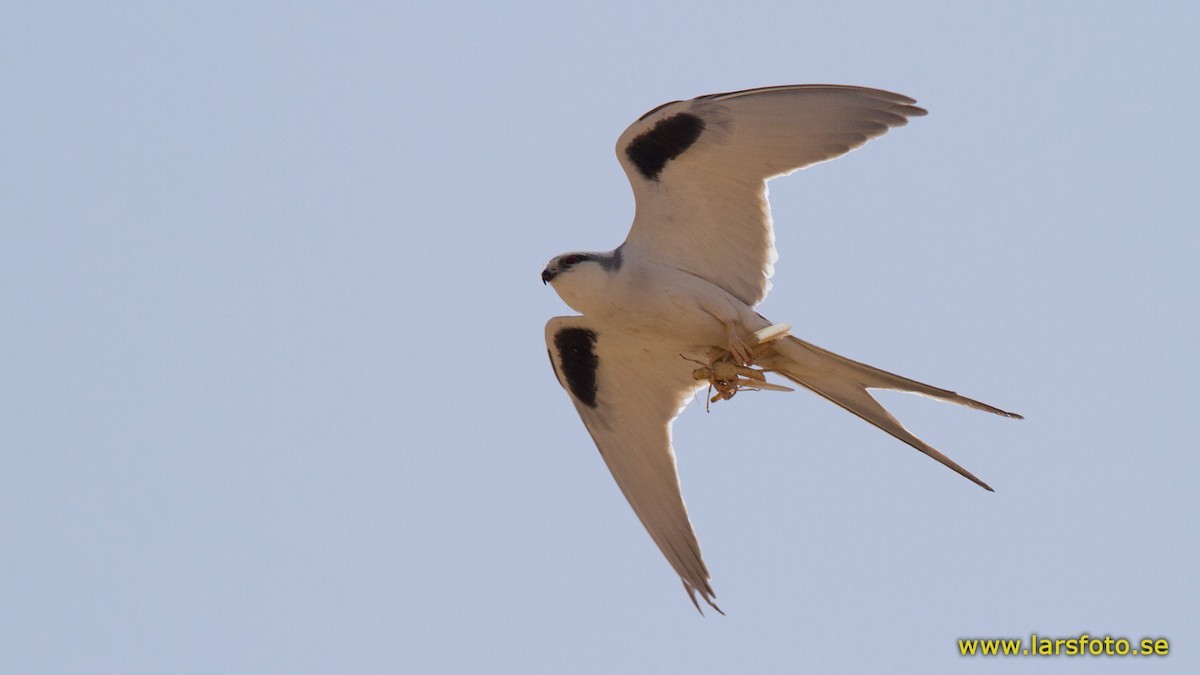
point(665, 141)
point(576, 350)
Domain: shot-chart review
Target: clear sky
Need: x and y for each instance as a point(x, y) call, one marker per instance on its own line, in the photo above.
point(274, 395)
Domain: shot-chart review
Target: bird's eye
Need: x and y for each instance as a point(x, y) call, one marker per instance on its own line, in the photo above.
point(570, 260)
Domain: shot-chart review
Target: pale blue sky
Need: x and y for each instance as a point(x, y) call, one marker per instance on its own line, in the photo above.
point(274, 395)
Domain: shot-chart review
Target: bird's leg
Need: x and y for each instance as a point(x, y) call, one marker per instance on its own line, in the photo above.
point(728, 377)
point(745, 351)
point(732, 369)
point(737, 346)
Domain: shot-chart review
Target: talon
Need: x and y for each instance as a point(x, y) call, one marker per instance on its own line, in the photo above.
point(726, 377)
point(738, 347)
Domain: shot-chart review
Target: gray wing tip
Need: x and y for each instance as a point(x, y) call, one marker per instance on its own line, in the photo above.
point(907, 104)
point(979, 405)
point(706, 593)
point(970, 476)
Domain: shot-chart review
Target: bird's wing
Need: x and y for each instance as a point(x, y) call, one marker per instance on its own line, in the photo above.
point(628, 391)
point(699, 169)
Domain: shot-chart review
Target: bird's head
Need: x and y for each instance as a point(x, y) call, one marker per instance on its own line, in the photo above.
point(565, 264)
point(581, 279)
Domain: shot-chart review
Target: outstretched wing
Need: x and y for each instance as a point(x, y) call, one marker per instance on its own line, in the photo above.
point(628, 391)
point(699, 169)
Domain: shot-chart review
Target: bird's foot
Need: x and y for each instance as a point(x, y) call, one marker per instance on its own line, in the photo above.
point(730, 370)
point(738, 348)
point(745, 351)
point(728, 377)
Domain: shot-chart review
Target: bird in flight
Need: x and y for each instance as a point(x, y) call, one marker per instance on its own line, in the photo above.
point(672, 308)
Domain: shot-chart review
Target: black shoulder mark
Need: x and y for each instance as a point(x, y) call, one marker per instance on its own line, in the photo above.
point(576, 350)
point(665, 141)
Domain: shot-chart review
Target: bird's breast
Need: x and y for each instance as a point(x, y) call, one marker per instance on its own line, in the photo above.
point(662, 302)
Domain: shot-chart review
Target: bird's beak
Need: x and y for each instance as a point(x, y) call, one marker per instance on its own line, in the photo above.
point(547, 276)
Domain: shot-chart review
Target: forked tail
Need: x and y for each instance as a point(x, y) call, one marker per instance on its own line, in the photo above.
point(845, 382)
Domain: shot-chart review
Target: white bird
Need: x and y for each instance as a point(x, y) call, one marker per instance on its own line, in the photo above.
point(681, 289)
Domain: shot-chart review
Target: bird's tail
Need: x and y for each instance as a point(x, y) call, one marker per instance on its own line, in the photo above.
point(846, 382)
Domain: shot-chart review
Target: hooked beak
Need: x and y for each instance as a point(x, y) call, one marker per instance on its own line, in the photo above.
point(547, 276)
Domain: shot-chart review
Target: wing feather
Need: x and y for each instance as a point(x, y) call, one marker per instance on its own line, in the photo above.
point(636, 396)
point(699, 169)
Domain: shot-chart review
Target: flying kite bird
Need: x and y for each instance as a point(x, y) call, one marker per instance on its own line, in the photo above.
point(672, 308)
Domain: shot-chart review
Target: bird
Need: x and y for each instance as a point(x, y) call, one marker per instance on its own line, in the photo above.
point(681, 291)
